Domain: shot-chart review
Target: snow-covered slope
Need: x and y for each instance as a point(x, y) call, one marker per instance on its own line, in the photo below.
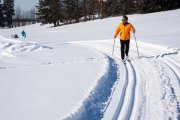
point(159, 28)
point(147, 88)
point(45, 83)
point(69, 72)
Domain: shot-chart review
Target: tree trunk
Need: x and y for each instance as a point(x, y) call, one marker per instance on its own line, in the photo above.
point(54, 24)
point(57, 22)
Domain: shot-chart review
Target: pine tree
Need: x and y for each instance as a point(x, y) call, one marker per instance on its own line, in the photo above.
point(101, 9)
point(84, 9)
point(109, 8)
point(8, 8)
point(77, 13)
point(44, 12)
point(55, 7)
point(160, 5)
point(72, 10)
point(91, 9)
point(2, 22)
point(115, 7)
point(67, 10)
point(49, 11)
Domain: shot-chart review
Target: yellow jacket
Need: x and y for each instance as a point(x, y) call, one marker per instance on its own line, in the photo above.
point(124, 31)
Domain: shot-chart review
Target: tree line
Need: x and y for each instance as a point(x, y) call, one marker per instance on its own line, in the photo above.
point(69, 11)
point(23, 18)
point(14, 17)
point(6, 13)
point(61, 12)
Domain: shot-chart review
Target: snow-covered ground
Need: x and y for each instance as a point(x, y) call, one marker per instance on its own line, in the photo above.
point(69, 72)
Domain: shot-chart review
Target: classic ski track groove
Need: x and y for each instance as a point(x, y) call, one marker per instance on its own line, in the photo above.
point(126, 102)
point(125, 112)
point(127, 107)
point(174, 67)
point(167, 60)
point(169, 63)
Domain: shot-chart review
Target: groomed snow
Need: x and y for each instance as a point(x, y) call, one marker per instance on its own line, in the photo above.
point(69, 72)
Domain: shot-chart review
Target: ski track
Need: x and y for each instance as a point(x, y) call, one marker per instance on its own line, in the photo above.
point(134, 98)
point(170, 85)
point(171, 63)
point(121, 101)
point(172, 82)
point(168, 61)
point(125, 109)
point(169, 97)
point(126, 102)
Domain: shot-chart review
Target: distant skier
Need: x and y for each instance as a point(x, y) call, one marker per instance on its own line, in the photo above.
point(23, 33)
point(124, 29)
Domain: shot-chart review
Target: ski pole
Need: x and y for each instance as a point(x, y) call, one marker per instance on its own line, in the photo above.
point(136, 45)
point(113, 47)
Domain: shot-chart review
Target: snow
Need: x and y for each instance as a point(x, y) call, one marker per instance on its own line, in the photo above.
point(69, 72)
point(45, 87)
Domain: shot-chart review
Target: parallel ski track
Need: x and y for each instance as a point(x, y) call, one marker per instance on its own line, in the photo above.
point(171, 64)
point(167, 60)
point(126, 102)
point(174, 67)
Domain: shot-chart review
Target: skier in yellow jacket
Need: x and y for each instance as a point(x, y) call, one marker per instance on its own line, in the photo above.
point(124, 30)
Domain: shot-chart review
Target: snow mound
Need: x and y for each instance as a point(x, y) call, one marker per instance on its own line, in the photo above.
point(10, 46)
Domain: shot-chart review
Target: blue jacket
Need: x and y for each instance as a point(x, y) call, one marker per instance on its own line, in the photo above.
point(23, 33)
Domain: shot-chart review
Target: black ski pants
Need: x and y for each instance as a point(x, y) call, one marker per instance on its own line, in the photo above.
point(124, 48)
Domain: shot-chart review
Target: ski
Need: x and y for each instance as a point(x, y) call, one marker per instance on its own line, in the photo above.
point(125, 60)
